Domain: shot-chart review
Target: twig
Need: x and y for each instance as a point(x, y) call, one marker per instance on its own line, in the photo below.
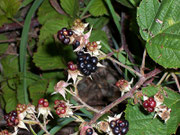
point(86, 16)
point(162, 78)
point(127, 67)
point(108, 56)
point(15, 26)
point(123, 41)
point(39, 123)
point(10, 40)
point(127, 95)
point(56, 6)
point(176, 80)
point(82, 102)
point(143, 63)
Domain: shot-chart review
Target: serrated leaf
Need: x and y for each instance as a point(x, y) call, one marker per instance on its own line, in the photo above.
point(125, 3)
point(46, 12)
point(48, 58)
point(9, 65)
point(37, 90)
point(3, 46)
point(98, 8)
point(99, 35)
point(97, 23)
point(51, 27)
point(9, 94)
point(71, 7)
point(31, 78)
point(159, 26)
point(8, 8)
point(141, 122)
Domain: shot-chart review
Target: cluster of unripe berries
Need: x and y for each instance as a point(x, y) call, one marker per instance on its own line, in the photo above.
point(60, 107)
point(64, 35)
point(86, 63)
point(4, 132)
point(12, 118)
point(20, 108)
point(91, 46)
point(43, 102)
point(149, 104)
point(119, 127)
point(89, 131)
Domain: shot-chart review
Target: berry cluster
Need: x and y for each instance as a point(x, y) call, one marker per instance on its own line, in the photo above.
point(4, 132)
point(11, 118)
point(91, 46)
point(20, 108)
point(43, 102)
point(119, 127)
point(64, 35)
point(87, 64)
point(149, 104)
point(60, 107)
point(89, 131)
point(72, 66)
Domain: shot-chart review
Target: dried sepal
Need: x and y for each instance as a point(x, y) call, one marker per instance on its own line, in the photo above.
point(60, 88)
point(124, 85)
point(74, 75)
point(159, 98)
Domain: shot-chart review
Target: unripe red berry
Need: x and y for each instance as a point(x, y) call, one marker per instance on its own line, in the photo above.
point(146, 104)
point(41, 101)
point(63, 111)
point(58, 111)
point(151, 99)
point(46, 103)
point(152, 104)
point(150, 109)
point(56, 102)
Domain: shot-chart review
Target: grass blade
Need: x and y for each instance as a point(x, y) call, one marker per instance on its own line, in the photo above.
point(23, 46)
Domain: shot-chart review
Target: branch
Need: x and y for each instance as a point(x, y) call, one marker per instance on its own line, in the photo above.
point(82, 102)
point(124, 43)
point(143, 63)
point(176, 80)
point(10, 40)
point(127, 95)
point(57, 7)
point(16, 26)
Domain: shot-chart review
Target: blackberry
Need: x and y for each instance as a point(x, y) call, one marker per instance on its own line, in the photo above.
point(124, 130)
point(76, 44)
point(116, 130)
point(70, 32)
point(86, 63)
point(94, 60)
point(126, 123)
point(66, 40)
point(89, 131)
point(112, 124)
point(93, 69)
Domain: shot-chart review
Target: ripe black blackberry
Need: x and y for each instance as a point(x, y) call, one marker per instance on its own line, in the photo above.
point(89, 131)
point(86, 63)
point(119, 127)
point(64, 34)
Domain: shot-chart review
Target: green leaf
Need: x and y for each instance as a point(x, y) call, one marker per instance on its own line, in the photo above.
point(98, 8)
point(51, 27)
point(46, 11)
point(9, 94)
point(31, 78)
point(99, 35)
point(71, 7)
point(9, 65)
point(125, 3)
point(97, 23)
point(25, 3)
point(48, 57)
point(141, 122)
point(9, 8)
point(3, 46)
point(159, 26)
point(37, 90)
